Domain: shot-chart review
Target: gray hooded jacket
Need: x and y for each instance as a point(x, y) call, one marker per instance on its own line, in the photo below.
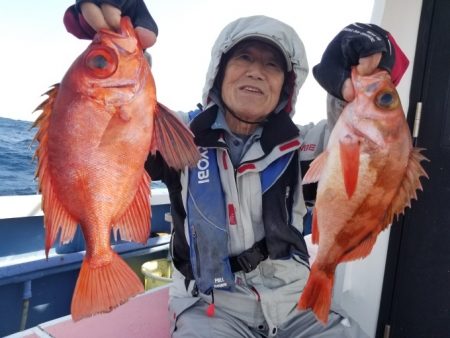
point(267, 295)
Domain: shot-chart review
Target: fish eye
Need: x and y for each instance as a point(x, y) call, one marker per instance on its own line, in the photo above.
point(387, 100)
point(101, 62)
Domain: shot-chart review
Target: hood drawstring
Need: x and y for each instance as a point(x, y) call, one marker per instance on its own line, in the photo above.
point(210, 310)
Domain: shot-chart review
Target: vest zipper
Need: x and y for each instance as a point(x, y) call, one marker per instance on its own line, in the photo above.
point(197, 254)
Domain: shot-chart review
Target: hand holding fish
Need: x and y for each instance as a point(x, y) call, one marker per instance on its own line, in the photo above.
point(90, 16)
point(367, 175)
point(366, 66)
point(366, 46)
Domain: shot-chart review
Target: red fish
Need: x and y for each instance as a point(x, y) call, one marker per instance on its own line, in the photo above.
point(96, 130)
point(367, 175)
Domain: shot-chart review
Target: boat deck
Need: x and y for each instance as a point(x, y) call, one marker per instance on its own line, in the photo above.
point(143, 316)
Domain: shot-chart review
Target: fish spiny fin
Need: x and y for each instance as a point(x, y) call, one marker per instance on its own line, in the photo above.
point(101, 288)
point(362, 250)
point(173, 139)
point(409, 186)
point(315, 169)
point(314, 228)
point(55, 215)
point(134, 224)
point(55, 218)
point(317, 293)
point(349, 153)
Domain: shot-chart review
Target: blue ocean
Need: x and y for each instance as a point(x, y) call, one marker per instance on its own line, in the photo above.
point(16, 158)
point(17, 167)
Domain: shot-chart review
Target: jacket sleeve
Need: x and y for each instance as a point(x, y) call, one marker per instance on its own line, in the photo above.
point(314, 138)
point(335, 107)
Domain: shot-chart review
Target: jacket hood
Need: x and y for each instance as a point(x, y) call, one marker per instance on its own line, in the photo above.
point(267, 29)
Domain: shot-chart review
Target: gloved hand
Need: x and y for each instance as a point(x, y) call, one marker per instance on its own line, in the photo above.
point(366, 46)
point(87, 17)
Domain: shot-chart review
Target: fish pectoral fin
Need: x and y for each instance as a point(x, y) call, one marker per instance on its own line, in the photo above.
point(362, 250)
point(349, 153)
point(134, 224)
point(409, 185)
point(315, 169)
point(173, 139)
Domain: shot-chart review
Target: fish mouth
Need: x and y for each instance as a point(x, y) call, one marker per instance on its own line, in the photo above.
point(121, 84)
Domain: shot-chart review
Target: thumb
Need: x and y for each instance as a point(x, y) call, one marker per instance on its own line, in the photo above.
point(367, 65)
point(348, 92)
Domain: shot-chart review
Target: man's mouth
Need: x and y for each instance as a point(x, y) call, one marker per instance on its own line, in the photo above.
point(251, 89)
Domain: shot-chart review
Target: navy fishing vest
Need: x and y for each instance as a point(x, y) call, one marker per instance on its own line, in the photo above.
point(208, 221)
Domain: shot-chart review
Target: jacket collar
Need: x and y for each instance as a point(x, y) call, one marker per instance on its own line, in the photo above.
point(279, 128)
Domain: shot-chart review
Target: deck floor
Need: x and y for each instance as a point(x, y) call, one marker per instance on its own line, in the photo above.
point(143, 316)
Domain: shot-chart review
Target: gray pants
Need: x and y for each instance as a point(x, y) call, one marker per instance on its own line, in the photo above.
point(193, 322)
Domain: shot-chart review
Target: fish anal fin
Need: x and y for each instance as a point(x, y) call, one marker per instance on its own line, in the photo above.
point(173, 139)
point(315, 169)
point(362, 250)
point(314, 228)
point(408, 187)
point(349, 154)
point(134, 224)
point(317, 293)
point(102, 288)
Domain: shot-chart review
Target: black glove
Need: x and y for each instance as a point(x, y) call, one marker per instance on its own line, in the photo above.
point(344, 51)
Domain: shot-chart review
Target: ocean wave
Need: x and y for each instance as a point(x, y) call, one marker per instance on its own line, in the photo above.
point(17, 167)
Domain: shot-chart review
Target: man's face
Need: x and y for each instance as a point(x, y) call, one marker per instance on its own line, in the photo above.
point(253, 80)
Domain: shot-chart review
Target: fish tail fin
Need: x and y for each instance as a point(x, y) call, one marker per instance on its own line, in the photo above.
point(173, 139)
point(102, 288)
point(317, 294)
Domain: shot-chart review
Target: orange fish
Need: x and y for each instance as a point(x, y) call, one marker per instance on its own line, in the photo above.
point(367, 175)
point(96, 130)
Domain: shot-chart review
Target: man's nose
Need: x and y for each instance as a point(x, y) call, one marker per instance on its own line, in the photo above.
point(256, 70)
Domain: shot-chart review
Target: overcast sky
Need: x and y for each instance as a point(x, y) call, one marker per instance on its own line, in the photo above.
point(36, 50)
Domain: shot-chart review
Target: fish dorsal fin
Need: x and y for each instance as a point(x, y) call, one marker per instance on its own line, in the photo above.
point(349, 154)
point(134, 224)
point(410, 184)
point(173, 139)
point(362, 250)
point(315, 169)
point(55, 215)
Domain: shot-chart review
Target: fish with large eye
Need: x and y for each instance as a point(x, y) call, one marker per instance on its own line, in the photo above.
point(96, 130)
point(387, 99)
point(101, 62)
point(367, 176)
